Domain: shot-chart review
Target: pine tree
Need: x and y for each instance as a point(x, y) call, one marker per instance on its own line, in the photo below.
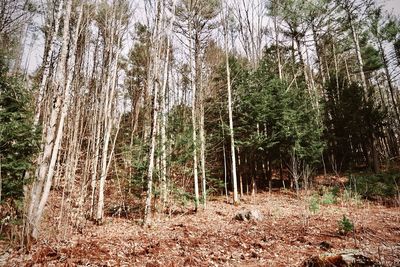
point(18, 137)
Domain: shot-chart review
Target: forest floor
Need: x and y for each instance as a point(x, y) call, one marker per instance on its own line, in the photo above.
point(288, 234)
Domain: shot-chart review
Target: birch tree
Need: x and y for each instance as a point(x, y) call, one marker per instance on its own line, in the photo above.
point(48, 59)
point(196, 24)
point(153, 86)
point(231, 133)
point(45, 171)
point(113, 20)
point(164, 108)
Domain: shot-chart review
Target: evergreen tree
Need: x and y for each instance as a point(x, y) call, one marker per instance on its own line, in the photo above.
point(350, 122)
point(271, 121)
point(18, 137)
point(282, 121)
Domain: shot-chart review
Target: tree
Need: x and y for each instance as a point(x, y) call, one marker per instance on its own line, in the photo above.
point(354, 11)
point(385, 29)
point(52, 139)
point(196, 23)
point(354, 120)
point(231, 132)
point(250, 27)
point(19, 138)
point(153, 86)
point(14, 19)
point(113, 20)
point(277, 125)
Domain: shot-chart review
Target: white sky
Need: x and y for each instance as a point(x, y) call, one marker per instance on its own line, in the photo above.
point(34, 50)
point(392, 5)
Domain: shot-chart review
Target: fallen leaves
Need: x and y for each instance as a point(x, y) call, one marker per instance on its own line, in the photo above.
point(212, 238)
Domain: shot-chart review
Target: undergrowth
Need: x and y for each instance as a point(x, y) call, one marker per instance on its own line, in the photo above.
point(345, 225)
point(380, 186)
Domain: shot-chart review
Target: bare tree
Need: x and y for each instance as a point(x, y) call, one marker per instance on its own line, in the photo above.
point(153, 86)
point(113, 23)
point(231, 133)
point(45, 172)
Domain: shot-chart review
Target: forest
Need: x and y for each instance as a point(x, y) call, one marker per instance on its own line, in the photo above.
point(199, 133)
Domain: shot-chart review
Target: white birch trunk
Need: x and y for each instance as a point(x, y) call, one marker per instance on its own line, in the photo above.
point(153, 85)
point(231, 133)
point(108, 118)
point(96, 132)
point(47, 62)
point(359, 57)
point(42, 184)
point(194, 124)
point(203, 149)
point(278, 53)
point(164, 115)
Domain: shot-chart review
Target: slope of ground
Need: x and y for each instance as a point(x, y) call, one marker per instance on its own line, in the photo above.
point(288, 234)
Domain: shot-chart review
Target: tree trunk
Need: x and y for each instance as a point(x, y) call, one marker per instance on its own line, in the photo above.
point(359, 57)
point(47, 62)
point(41, 186)
point(199, 81)
point(231, 133)
point(224, 155)
point(108, 126)
point(375, 159)
point(278, 54)
point(194, 124)
point(153, 85)
point(319, 58)
point(164, 114)
point(202, 149)
point(389, 81)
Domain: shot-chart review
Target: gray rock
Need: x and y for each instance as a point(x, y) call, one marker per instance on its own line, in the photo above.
point(344, 259)
point(249, 215)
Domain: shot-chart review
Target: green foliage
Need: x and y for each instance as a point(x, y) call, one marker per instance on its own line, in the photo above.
point(216, 119)
point(372, 58)
point(215, 185)
point(328, 198)
point(181, 196)
point(350, 122)
point(136, 154)
point(137, 62)
point(352, 197)
point(19, 140)
point(180, 132)
point(313, 205)
point(270, 118)
point(204, 10)
point(335, 191)
point(274, 120)
point(390, 29)
point(377, 185)
point(383, 27)
point(345, 226)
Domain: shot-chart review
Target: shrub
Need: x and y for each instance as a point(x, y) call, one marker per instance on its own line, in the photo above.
point(352, 197)
point(373, 186)
point(313, 204)
point(328, 198)
point(335, 191)
point(345, 225)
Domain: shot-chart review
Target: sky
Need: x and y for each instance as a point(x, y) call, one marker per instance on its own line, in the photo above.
point(392, 5)
point(34, 48)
